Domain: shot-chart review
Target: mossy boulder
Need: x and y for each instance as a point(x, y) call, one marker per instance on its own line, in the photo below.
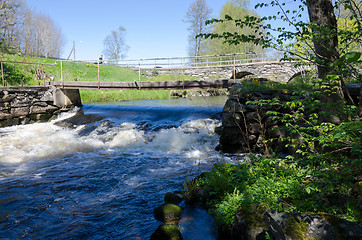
point(167, 232)
point(249, 223)
point(168, 213)
point(257, 222)
point(303, 226)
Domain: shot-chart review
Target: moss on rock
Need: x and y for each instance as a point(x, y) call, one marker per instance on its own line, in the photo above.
point(168, 213)
point(296, 228)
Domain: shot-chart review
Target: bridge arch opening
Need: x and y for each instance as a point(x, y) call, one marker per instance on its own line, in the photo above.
point(242, 74)
point(297, 77)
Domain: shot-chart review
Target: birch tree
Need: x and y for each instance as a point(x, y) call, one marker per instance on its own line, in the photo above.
point(196, 16)
point(115, 47)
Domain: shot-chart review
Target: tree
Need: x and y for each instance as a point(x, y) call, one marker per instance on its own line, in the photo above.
point(236, 9)
point(115, 46)
point(24, 31)
point(196, 17)
point(40, 36)
point(10, 24)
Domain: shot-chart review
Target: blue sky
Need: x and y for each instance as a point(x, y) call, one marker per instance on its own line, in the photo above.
point(154, 28)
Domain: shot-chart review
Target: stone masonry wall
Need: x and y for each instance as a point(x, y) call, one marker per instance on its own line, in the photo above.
point(32, 104)
point(246, 126)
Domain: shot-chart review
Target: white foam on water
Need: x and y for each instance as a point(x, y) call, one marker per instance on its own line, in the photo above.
point(39, 141)
point(126, 136)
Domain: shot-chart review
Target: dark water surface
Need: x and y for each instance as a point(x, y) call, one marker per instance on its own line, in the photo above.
point(98, 173)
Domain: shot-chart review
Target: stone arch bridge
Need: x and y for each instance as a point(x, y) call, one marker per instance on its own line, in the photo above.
point(279, 71)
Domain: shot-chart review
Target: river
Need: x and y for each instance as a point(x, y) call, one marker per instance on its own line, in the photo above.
point(98, 172)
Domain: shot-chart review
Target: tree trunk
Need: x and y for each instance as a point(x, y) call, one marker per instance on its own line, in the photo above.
point(325, 41)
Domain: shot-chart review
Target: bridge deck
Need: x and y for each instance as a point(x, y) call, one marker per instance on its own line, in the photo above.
point(149, 85)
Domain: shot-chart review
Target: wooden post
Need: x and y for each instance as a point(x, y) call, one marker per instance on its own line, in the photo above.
point(43, 75)
point(99, 84)
point(2, 74)
point(183, 74)
point(61, 73)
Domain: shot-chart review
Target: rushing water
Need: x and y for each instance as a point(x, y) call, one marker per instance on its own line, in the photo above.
point(98, 173)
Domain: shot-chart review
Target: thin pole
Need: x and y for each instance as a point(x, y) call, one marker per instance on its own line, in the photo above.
point(99, 84)
point(2, 74)
point(234, 70)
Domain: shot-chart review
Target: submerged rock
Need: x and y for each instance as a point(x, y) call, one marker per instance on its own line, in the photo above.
point(167, 232)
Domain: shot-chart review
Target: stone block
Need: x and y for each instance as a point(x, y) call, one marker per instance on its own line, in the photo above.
point(40, 109)
point(4, 115)
point(254, 128)
point(47, 97)
point(232, 136)
point(232, 120)
point(234, 107)
point(19, 111)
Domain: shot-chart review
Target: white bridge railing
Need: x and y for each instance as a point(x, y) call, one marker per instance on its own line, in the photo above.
point(189, 62)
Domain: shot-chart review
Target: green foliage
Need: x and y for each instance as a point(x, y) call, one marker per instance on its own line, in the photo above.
point(236, 10)
point(257, 84)
point(283, 185)
point(263, 180)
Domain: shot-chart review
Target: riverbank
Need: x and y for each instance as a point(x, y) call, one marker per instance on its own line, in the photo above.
point(315, 168)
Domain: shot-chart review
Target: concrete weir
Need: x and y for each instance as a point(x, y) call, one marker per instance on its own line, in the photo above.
point(23, 105)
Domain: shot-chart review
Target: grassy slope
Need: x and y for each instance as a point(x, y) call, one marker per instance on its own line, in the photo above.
point(82, 72)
